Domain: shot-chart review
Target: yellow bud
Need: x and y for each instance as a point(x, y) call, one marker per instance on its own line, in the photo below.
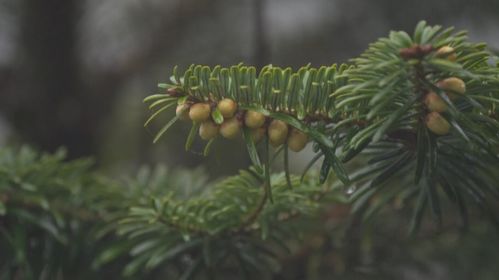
point(230, 128)
point(257, 134)
point(277, 132)
point(208, 130)
point(227, 107)
point(437, 124)
point(182, 112)
point(297, 140)
point(453, 87)
point(434, 102)
point(447, 52)
point(200, 112)
point(254, 119)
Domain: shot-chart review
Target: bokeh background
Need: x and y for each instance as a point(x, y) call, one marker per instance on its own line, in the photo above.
point(73, 73)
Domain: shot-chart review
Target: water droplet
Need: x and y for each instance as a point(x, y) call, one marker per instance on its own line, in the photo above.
point(351, 190)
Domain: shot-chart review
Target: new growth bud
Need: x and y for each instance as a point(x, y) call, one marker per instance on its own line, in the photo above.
point(230, 128)
point(447, 52)
point(453, 87)
point(297, 140)
point(200, 112)
point(208, 130)
point(174, 92)
point(257, 134)
point(415, 51)
point(227, 107)
point(437, 124)
point(254, 119)
point(182, 112)
point(409, 53)
point(277, 132)
point(434, 102)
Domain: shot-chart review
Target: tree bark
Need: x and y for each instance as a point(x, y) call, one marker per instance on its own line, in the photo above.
point(45, 105)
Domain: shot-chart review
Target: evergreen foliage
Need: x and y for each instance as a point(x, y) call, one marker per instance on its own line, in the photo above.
point(377, 106)
point(380, 140)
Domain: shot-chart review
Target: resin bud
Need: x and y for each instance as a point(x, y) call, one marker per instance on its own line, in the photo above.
point(434, 102)
point(200, 112)
point(277, 132)
point(454, 87)
point(254, 119)
point(447, 52)
point(437, 124)
point(257, 134)
point(208, 130)
point(230, 128)
point(182, 112)
point(297, 140)
point(227, 107)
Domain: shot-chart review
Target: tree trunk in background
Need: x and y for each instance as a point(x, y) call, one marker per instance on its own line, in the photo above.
point(46, 107)
point(261, 51)
point(48, 103)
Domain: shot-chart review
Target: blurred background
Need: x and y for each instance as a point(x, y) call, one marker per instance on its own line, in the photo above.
point(73, 73)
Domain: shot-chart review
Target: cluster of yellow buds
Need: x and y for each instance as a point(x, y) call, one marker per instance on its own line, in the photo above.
point(453, 88)
point(277, 131)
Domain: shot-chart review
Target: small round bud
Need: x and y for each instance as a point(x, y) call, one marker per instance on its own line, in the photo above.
point(277, 132)
point(447, 52)
point(182, 112)
point(297, 140)
point(230, 128)
point(434, 102)
point(174, 92)
point(254, 119)
point(257, 134)
point(437, 124)
point(227, 107)
point(208, 130)
point(453, 87)
point(409, 53)
point(425, 49)
point(415, 51)
point(200, 112)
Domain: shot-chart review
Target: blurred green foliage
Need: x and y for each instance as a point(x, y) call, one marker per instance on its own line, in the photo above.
point(60, 220)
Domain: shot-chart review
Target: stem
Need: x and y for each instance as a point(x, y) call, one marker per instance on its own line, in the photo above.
point(251, 218)
point(267, 193)
point(267, 186)
point(286, 165)
point(420, 88)
point(182, 227)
